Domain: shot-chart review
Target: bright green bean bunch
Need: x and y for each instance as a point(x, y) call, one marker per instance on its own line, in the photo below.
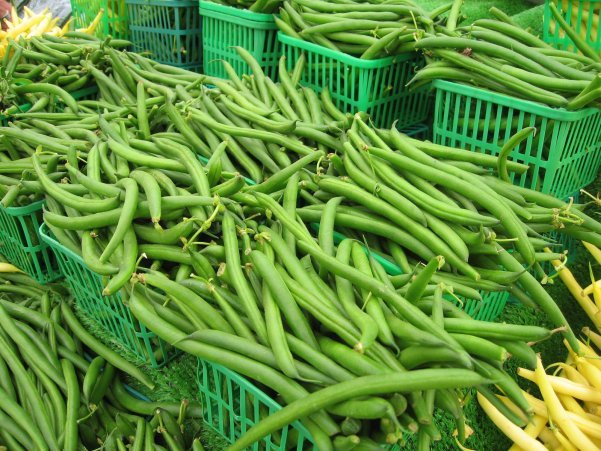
point(54, 398)
point(369, 30)
point(500, 56)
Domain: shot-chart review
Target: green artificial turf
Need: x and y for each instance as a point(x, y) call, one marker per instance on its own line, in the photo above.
point(478, 9)
point(531, 19)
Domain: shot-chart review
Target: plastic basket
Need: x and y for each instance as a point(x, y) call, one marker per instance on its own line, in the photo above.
point(169, 30)
point(376, 87)
point(582, 16)
point(21, 244)
point(109, 312)
point(224, 27)
point(232, 405)
point(488, 309)
point(114, 19)
point(564, 156)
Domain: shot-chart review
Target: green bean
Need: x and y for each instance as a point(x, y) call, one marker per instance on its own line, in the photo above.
point(127, 266)
point(125, 218)
point(491, 330)
point(143, 159)
point(71, 436)
point(371, 225)
point(92, 183)
point(415, 356)
point(243, 290)
point(186, 297)
point(275, 334)
point(539, 295)
point(71, 200)
point(372, 303)
point(296, 320)
point(263, 135)
point(278, 180)
point(579, 42)
point(487, 48)
point(170, 236)
point(152, 191)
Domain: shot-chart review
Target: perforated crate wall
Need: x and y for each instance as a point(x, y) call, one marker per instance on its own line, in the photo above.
point(376, 87)
point(114, 18)
point(224, 27)
point(21, 244)
point(169, 30)
point(564, 156)
point(582, 16)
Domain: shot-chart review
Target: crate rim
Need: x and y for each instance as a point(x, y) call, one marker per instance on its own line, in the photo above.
point(231, 14)
point(53, 242)
point(528, 106)
point(341, 56)
point(24, 210)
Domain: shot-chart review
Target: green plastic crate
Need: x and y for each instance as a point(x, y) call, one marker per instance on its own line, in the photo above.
point(113, 22)
point(224, 27)
point(376, 87)
point(581, 16)
point(169, 30)
point(488, 309)
point(232, 405)
point(109, 312)
point(564, 156)
point(21, 244)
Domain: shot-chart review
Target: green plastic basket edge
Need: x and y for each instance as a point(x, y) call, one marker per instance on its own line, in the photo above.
point(343, 57)
point(25, 210)
point(55, 244)
point(236, 15)
point(513, 102)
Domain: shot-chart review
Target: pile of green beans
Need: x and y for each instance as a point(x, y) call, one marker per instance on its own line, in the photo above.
point(369, 30)
point(502, 57)
point(41, 71)
point(53, 398)
point(257, 6)
point(347, 327)
point(306, 319)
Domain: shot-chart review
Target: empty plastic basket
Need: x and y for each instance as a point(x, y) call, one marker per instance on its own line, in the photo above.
point(224, 27)
point(376, 87)
point(564, 156)
point(21, 244)
point(108, 312)
point(114, 18)
point(169, 30)
point(582, 16)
